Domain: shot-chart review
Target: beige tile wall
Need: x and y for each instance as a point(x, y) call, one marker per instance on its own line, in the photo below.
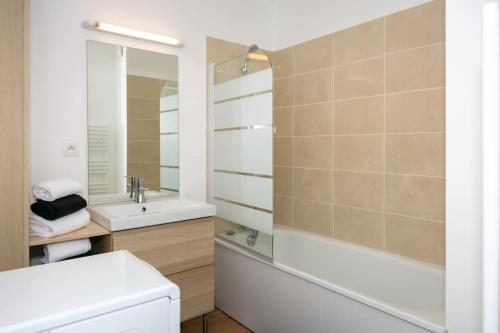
point(143, 129)
point(359, 143)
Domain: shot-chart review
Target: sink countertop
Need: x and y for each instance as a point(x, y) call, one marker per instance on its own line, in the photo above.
point(124, 216)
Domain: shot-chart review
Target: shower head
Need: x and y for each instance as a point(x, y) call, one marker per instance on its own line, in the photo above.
point(252, 48)
point(244, 68)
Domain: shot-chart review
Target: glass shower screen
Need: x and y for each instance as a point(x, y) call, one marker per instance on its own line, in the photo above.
point(242, 151)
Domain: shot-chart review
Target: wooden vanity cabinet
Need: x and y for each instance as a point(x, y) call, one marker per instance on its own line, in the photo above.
point(184, 253)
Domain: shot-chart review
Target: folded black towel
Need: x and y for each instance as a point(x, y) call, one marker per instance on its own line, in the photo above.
point(52, 210)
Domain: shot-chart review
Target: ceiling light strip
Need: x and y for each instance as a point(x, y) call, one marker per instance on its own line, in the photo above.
point(123, 31)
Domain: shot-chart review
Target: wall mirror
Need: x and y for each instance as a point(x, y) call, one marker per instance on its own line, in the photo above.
point(133, 113)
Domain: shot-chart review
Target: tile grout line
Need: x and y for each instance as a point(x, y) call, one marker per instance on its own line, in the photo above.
point(363, 209)
point(402, 92)
point(293, 137)
point(414, 48)
point(360, 171)
point(303, 73)
point(359, 134)
point(333, 136)
point(384, 220)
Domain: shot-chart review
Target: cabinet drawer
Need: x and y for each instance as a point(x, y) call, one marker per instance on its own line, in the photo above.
point(197, 291)
point(171, 248)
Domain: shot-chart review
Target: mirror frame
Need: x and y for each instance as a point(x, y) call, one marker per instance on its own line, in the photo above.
point(124, 197)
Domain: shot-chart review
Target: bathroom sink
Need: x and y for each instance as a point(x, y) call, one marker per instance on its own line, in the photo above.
point(125, 216)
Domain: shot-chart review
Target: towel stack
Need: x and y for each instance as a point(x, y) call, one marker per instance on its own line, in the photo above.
point(59, 210)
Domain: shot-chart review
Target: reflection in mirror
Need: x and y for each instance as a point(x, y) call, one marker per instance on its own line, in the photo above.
point(133, 117)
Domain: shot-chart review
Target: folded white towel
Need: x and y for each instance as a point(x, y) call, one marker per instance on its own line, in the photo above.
point(63, 250)
point(45, 228)
point(51, 190)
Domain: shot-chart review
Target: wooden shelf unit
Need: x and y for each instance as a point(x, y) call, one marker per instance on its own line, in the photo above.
point(91, 230)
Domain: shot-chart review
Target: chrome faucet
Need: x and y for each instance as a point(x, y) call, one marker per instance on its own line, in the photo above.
point(252, 238)
point(134, 181)
point(137, 189)
point(140, 197)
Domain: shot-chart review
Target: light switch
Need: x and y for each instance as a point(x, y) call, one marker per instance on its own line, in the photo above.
point(71, 150)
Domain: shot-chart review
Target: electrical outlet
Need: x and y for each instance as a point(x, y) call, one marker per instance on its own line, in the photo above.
point(71, 150)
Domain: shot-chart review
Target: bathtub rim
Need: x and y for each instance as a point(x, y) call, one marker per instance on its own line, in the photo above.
point(335, 288)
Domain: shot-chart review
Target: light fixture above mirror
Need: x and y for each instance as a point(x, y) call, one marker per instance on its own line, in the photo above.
point(124, 31)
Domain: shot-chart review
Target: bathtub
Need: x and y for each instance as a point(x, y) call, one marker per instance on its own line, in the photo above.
point(316, 284)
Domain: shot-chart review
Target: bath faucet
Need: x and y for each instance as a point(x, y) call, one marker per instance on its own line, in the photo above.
point(140, 197)
point(252, 238)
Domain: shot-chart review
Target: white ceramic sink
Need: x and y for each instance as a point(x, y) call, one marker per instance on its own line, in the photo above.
point(125, 216)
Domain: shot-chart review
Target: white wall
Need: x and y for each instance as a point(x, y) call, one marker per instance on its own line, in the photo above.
point(297, 21)
point(463, 166)
point(58, 74)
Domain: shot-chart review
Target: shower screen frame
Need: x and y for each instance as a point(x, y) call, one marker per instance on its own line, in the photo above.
point(243, 233)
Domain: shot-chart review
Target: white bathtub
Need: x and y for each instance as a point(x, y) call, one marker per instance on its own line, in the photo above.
point(318, 285)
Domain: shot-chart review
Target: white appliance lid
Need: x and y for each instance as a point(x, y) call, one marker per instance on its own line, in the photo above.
point(42, 297)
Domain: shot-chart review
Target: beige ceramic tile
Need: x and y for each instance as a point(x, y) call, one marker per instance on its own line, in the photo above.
point(149, 171)
point(313, 152)
point(358, 189)
point(313, 119)
point(313, 217)
point(219, 50)
point(314, 54)
point(418, 239)
point(359, 226)
point(143, 87)
point(221, 77)
point(313, 184)
point(283, 63)
point(283, 92)
point(313, 87)
point(416, 69)
point(359, 42)
point(360, 116)
point(283, 151)
point(140, 108)
point(421, 111)
point(283, 210)
point(416, 196)
point(143, 151)
point(365, 78)
point(139, 129)
point(359, 152)
point(417, 26)
point(283, 181)
point(421, 154)
point(232, 67)
point(283, 121)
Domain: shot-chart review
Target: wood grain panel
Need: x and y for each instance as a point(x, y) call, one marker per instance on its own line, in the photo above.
point(197, 291)
point(173, 247)
point(13, 134)
point(91, 230)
